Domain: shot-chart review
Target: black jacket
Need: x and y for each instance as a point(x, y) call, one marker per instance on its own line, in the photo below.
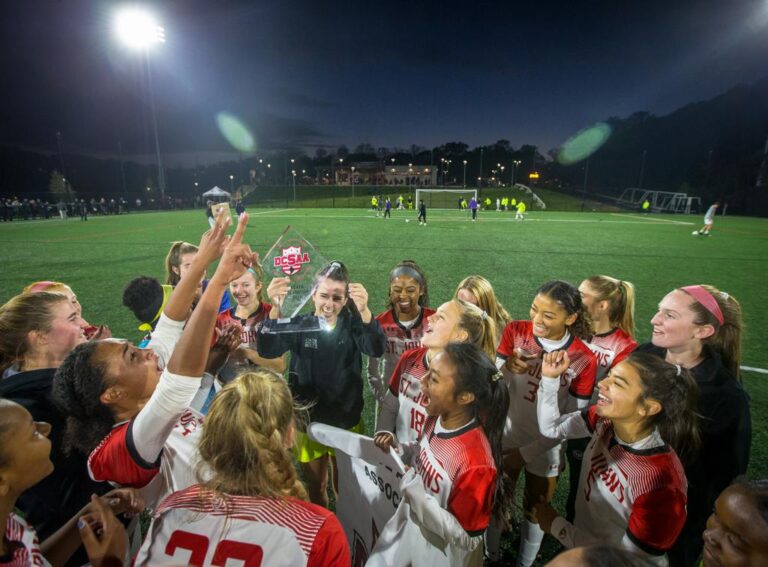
point(54, 500)
point(326, 366)
point(726, 439)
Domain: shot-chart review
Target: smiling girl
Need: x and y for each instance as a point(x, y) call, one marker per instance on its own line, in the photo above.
point(558, 321)
point(403, 322)
point(403, 408)
point(326, 365)
point(453, 486)
point(699, 328)
point(478, 291)
point(632, 489)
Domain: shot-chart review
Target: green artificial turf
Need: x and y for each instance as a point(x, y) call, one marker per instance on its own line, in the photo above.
point(655, 252)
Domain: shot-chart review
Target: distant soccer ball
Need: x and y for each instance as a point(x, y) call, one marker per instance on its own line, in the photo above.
point(407, 220)
point(695, 232)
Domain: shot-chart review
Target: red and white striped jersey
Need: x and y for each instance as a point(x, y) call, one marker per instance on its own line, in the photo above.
point(405, 385)
point(610, 349)
point(457, 469)
point(21, 540)
point(194, 527)
point(623, 491)
point(399, 340)
point(250, 324)
point(577, 382)
point(116, 459)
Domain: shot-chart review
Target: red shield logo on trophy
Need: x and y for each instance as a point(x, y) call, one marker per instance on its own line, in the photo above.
point(291, 260)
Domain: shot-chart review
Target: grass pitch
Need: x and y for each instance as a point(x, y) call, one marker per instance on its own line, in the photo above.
point(655, 252)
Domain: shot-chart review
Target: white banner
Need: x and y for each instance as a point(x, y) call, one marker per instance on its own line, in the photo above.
point(369, 481)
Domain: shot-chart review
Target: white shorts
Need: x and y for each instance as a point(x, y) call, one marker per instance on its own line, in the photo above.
point(546, 465)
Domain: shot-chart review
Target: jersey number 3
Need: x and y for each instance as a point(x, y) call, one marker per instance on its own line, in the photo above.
point(251, 555)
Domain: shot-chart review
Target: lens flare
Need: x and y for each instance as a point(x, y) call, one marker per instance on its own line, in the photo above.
point(584, 143)
point(235, 132)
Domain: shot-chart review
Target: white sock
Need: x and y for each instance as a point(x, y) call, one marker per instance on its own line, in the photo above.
point(530, 542)
point(492, 542)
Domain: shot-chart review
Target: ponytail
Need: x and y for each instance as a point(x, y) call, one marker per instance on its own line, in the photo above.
point(477, 374)
point(620, 296)
point(173, 260)
point(480, 328)
point(676, 390)
point(567, 296)
point(726, 340)
point(482, 290)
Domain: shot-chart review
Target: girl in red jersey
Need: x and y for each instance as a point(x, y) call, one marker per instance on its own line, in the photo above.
point(403, 322)
point(559, 321)
point(478, 291)
point(136, 421)
point(25, 460)
point(252, 505)
point(453, 485)
point(611, 306)
point(403, 409)
point(246, 316)
point(632, 489)
point(699, 327)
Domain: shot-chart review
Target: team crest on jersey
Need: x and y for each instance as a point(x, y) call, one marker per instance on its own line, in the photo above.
point(291, 260)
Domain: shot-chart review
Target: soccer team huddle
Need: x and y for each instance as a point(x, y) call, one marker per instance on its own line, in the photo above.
point(203, 427)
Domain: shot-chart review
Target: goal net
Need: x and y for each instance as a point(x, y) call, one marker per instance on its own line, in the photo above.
point(444, 198)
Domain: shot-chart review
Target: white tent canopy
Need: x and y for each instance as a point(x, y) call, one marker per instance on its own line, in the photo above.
point(217, 192)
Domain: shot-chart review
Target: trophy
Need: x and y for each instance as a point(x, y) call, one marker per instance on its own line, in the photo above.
point(294, 257)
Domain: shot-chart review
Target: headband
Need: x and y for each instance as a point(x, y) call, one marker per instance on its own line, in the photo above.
point(41, 286)
point(167, 290)
point(406, 271)
point(706, 299)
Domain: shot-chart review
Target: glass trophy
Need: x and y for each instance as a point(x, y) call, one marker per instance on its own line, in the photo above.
point(292, 256)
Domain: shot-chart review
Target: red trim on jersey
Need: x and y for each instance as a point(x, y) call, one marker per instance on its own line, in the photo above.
point(253, 320)
point(413, 358)
point(388, 319)
point(115, 459)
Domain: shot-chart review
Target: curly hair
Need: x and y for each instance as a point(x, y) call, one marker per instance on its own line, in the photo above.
point(77, 386)
point(243, 446)
point(144, 297)
point(569, 298)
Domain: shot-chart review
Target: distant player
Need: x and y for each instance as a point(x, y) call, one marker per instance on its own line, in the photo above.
point(709, 219)
point(410, 202)
point(520, 214)
point(375, 205)
point(487, 203)
point(473, 204)
point(388, 209)
point(422, 213)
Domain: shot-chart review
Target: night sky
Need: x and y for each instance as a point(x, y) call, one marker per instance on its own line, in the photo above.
point(321, 74)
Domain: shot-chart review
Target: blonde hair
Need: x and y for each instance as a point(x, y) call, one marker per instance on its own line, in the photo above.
point(49, 286)
point(482, 289)
point(244, 438)
point(620, 296)
point(480, 328)
point(173, 260)
point(726, 340)
point(21, 314)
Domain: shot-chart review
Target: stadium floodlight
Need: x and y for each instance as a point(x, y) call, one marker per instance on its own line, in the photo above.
point(137, 28)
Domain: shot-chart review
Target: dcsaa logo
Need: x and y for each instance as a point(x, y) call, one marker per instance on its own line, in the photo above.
point(291, 260)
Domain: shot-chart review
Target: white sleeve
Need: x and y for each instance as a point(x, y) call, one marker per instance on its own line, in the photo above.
point(571, 536)
point(551, 424)
point(387, 418)
point(150, 429)
point(433, 517)
point(378, 388)
point(164, 338)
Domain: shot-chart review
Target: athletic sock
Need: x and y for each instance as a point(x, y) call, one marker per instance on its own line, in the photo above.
point(492, 542)
point(530, 542)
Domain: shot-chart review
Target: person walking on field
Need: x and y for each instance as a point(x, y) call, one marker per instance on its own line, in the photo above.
point(473, 204)
point(709, 219)
point(388, 209)
point(422, 213)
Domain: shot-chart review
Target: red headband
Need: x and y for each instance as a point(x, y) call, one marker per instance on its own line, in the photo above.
point(701, 295)
point(40, 286)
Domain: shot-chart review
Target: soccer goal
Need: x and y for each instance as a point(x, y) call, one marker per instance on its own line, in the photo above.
point(444, 198)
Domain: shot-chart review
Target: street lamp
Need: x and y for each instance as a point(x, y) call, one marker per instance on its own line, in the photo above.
point(465, 173)
point(138, 29)
point(515, 164)
point(293, 173)
point(352, 181)
point(231, 181)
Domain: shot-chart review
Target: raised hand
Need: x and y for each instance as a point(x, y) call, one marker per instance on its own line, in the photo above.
point(359, 295)
point(237, 257)
point(554, 364)
point(213, 241)
point(277, 290)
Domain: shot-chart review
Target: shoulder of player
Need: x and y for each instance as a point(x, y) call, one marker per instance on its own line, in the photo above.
point(413, 355)
point(386, 317)
point(578, 349)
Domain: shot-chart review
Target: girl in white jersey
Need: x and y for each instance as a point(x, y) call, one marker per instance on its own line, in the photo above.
point(137, 422)
point(611, 306)
point(453, 485)
point(403, 409)
point(252, 507)
point(403, 322)
point(558, 321)
point(478, 291)
point(632, 489)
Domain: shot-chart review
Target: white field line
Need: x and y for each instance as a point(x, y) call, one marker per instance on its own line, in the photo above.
point(649, 219)
point(753, 369)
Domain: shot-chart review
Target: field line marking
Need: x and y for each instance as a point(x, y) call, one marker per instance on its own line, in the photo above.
point(753, 369)
point(649, 219)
